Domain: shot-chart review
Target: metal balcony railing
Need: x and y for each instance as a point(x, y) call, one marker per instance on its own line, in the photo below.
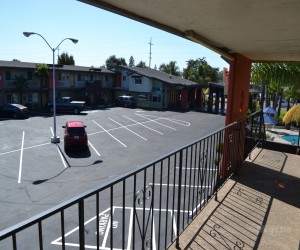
point(147, 208)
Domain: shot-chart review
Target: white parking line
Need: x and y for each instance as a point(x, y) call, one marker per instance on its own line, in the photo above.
point(16, 150)
point(176, 185)
point(51, 131)
point(156, 122)
point(21, 158)
point(94, 148)
point(180, 122)
point(110, 134)
point(139, 123)
point(128, 129)
point(205, 169)
point(61, 156)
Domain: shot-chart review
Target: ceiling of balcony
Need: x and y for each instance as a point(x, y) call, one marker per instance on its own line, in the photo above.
point(265, 30)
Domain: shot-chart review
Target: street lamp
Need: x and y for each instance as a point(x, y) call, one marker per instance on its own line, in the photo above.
point(54, 139)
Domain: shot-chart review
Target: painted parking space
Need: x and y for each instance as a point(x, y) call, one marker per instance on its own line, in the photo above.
point(39, 172)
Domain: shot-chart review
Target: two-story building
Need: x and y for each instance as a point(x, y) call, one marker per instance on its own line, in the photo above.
point(97, 86)
point(18, 84)
point(156, 89)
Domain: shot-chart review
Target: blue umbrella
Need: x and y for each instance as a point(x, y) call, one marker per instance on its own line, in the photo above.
point(267, 119)
point(269, 110)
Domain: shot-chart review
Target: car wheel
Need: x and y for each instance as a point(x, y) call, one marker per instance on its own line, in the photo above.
point(76, 111)
point(126, 105)
point(15, 116)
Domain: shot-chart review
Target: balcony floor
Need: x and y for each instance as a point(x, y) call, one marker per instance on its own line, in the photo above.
point(257, 209)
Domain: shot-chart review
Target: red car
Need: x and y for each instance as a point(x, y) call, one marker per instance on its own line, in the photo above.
point(75, 134)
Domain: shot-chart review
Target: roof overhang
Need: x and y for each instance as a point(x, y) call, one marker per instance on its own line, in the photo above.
point(260, 30)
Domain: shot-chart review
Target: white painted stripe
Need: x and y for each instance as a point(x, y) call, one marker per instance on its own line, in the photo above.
point(174, 223)
point(128, 129)
point(180, 122)
point(153, 235)
point(130, 229)
point(110, 134)
point(61, 156)
point(21, 159)
point(139, 123)
point(207, 169)
point(156, 122)
point(51, 131)
point(107, 229)
point(94, 148)
point(172, 185)
point(17, 150)
point(195, 209)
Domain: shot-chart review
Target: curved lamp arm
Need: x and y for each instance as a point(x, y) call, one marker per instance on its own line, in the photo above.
point(27, 34)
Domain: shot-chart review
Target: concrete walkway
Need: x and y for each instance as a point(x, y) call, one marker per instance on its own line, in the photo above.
point(257, 209)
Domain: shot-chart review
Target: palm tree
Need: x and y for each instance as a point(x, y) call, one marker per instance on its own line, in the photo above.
point(20, 84)
point(170, 68)
point(41, 72)
point(275, 76)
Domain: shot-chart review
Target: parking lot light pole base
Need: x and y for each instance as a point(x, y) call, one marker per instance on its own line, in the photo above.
point(55, 139)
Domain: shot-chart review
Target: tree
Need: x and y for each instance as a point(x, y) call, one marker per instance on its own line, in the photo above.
point(131, 62)
point(113, 61)
point(200, 71)
point(16, 60)
point(141, 64)
point(170, 68)
point(20, 84)
point(274, 77)
point(41, 72)
point(65, 59)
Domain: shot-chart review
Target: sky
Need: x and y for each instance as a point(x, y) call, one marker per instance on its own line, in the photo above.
point(100, 34)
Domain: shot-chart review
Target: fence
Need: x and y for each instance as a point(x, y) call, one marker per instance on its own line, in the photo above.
point(145, 209)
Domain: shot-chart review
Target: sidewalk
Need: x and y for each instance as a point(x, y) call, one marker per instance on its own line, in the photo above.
point(257, 209)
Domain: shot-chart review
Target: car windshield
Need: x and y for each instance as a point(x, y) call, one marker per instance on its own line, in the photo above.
point(76, 131)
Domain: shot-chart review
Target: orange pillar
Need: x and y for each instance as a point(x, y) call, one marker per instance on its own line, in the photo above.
point(237, 107)
point(238, 89)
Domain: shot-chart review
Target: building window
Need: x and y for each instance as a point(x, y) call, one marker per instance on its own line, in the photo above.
point(124, 78)
point(7, 75)
point(91, 78)
point(156, 98)
point(138, 80)
point(79, 77)
point(12, 98)
point(31, 98)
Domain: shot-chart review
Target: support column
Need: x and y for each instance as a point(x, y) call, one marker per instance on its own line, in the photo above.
point(238, 89)
point(237, 107)
point(184, 98)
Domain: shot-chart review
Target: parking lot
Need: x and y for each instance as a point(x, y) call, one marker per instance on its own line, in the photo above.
point(36, 174)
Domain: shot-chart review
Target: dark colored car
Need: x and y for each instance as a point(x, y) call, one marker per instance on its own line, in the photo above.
point(126, 101)
point(75, 134)
point(13, 110)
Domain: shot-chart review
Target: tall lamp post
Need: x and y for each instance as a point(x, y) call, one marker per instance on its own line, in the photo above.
point(55, 138)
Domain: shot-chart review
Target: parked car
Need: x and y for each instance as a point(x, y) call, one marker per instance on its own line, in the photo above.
point(126, 101)
point(14, 110)
point(66, 104)
point(75, 134)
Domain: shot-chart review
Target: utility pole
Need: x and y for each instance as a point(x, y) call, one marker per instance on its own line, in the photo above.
point(150, 52)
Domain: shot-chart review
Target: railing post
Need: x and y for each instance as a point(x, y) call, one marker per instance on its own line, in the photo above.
point(179, 199)
point(81, 225)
